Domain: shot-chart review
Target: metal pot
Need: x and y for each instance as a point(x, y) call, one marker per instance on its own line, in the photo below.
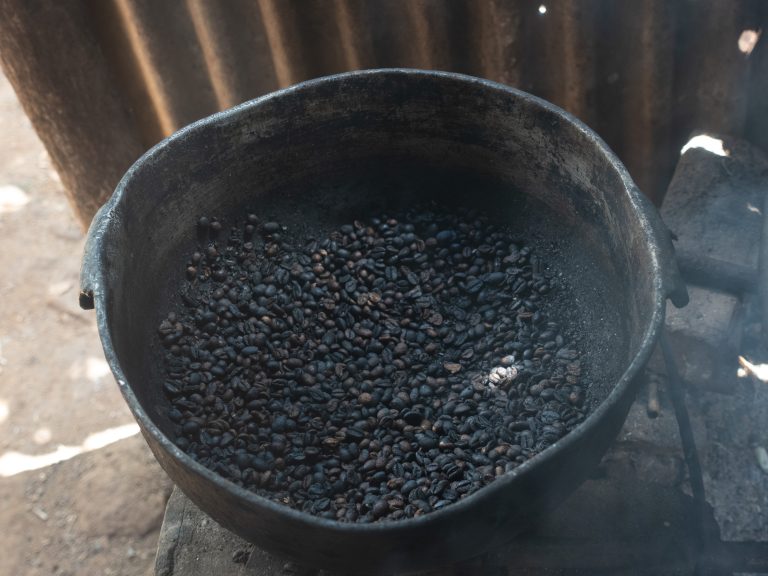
point(321, 152)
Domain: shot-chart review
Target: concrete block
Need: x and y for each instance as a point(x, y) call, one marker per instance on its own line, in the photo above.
point(714, 202)
point(705, 337)
point(714, 207)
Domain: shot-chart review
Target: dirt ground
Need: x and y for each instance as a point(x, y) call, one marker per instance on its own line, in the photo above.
point(79, 491)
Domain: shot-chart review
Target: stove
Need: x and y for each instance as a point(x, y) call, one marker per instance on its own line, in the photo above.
point(684, 489)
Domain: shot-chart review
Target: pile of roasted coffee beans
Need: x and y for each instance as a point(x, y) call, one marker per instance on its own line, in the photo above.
point(383, 372)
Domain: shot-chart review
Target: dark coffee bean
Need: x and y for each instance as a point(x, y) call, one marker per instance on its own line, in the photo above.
point(474, 286)
point(345, 455)
point(413, 417)
point(191, 428)
point(260, 464)
point(480, 459)
point(408, 487)
point(462, 410)
point(494, 278)
point(380, 508)
point(427, 440)
point(280, 424)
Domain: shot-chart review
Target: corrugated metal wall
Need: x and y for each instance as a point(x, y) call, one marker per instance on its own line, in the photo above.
point(103, 80)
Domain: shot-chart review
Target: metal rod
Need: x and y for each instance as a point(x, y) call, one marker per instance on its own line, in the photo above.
point(676, 393)
point(695, 477)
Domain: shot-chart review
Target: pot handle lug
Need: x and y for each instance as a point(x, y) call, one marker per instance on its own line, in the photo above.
point(90, 265)
point(674, 284)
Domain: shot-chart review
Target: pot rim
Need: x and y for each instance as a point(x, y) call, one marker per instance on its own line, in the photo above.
point(94, 282)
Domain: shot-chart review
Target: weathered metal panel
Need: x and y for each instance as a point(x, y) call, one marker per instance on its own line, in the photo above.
point(643, 73)
point(52, 57)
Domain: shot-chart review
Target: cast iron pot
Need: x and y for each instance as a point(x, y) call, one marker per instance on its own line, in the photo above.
point(323, 152)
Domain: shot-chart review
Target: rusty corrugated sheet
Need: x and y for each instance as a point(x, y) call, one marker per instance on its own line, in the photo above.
point(642, 73)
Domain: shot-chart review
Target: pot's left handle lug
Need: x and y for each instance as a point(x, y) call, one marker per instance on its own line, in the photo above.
point(91, 257)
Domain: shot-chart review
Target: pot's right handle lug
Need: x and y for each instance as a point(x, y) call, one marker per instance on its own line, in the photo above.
point(674, 284)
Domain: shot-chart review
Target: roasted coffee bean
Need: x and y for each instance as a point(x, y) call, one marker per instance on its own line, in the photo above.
point(380, 508)
point(381, 372)
point(427, 440)
point(190, 428)
point(413, 417)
